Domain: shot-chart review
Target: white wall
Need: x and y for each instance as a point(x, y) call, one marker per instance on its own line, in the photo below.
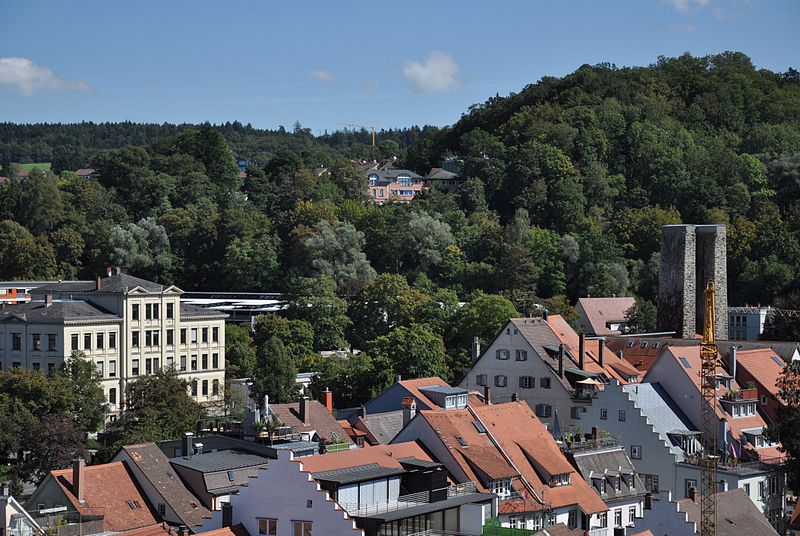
point(664, 518)
point(282, 491)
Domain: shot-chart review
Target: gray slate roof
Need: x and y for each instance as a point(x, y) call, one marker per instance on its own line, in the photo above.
point(115, 283)
point(609, 462)
point(360, 473)
point(661, 411)
point(214, 442)
point(737, 515)
point(384, 426)
point(220, 460)
point(155, 467)
point(195, 311)
point(58, 311)
point(539, 335)
point(445, 389)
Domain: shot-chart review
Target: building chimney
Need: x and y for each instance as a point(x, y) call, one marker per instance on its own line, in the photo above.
point(693, 494)
point(362, 412)
point(561, 360)
point(398, 378)
point(304, 410)
point(118, 270)
point(48, 300)
point(183, 530)
point(476, 348)
point(187, 445)
point(733, 362)
point(513, 397)
point(109, 270)
point(227, 514)
point(409, 409)
point(581, 350)
point(487, 394)
point(77, 478)
point(601, 351)
point(97, 283)
point(544, 315)
point(327, 400)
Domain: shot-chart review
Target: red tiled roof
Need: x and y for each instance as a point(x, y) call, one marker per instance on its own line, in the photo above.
point(235, 530)
point(383, 455)
point(108, 488)
point(525, 441)
point(159, 529)
point(319, 419)
point(413, 386)
point(600, 311)
point(83, 172)
point(762, 365)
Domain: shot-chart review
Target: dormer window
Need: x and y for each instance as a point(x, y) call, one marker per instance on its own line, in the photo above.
point(599, 483)
point(501, 487)
point(561, 479)
point(404, 180)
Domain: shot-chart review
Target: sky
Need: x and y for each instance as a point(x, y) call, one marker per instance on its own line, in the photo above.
point(327, 64)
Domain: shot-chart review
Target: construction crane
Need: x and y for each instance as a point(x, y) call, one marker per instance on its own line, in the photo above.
point(708, 410)
point(356, 125)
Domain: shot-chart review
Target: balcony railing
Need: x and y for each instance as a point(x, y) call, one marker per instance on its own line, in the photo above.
point(739, 467)
point(405, 501)
point(590, 444)
point(598, 532)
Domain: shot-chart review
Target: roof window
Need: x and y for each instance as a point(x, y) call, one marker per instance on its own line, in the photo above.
point(686, 362)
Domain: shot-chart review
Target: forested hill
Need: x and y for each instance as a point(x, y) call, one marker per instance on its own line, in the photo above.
point(569, 181)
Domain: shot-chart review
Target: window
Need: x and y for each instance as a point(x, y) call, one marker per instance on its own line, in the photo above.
point(100, 339)
point(148, 311)
point(87, 341)
point(194, 335)
point(301, 528)
point(631, 515)
point(622, 415)
point(156, 307)
point(205, 334)
point(502, 354)
point(746, 488)
point(522, 355)
point(135, 311)
point(773, 485)
point(148, 338)
point(603, 414)
point(37, 366)
point(691, 484)
point(526, 382)
point(170, 337)
point(603, 519)
point(194, 387)
point(194, 362)
point(134, 367)
point(51, 342)
point(16, 341)
point(204, 361)
point(148, 366)
point(170, 310)
point(686, 363)
point(651, 483)
point(618, 517)
point(762, 489)
point(481, 379)
point(500, 380)
point(215, 388)
point(183, 363)
point(205, 387)
point(112, 369)
point(74, 339)
point(269, 527)
point(544, 383)
point(112, 396)
point(543, 410)
point(135, 339)
point(572, 519)
point(763, 400)
point(156, 338)
point(215, 334)
point(162, 509)
point(50, 368)
point(183, 336)
point(112, 339)
point(501, 487)
point(575, 412)
point(214, 361)
point(37, 342)
point(99, 366)
point(636, 452)
point(231, 477)
point(170, 362)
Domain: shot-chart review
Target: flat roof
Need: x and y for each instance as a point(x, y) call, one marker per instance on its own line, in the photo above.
point(360, 473)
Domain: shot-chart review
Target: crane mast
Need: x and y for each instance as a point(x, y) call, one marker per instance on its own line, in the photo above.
point(708, 401)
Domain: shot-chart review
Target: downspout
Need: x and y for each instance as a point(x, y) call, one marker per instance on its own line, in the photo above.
point(507, 458)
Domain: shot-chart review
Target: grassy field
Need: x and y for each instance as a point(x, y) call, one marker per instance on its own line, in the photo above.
point(36, 165)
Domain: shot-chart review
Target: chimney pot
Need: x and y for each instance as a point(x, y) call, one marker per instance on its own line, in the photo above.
point(227, 514)
point(561, 360)
point(581, 350)
point(733, 362)
point(362, 412)
point(327, 400)
point(109, 270)
point(487, 394)
point(693, 494)
point(409, 410)
point(476, 348)
point(48, 300)
point(118, 270)
point(187, 445)
point(602, 351)
point(97, 283)
point(304, 410)
point(77, 478)
point(513, 397)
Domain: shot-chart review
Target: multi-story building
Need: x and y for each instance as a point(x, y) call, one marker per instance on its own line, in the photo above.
point(392, 185)
point(128, 327)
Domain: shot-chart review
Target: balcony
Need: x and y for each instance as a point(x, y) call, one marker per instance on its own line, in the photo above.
point(742, 468)
point(71, 523)
point(583, 444)
point(410, 500)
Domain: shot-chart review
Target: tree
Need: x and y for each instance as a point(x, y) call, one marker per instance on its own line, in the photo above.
point(274, 374)
point(337, 251)
point(40, 206)
point(482, 317)
point(297, 336)
point(51, 442)
point(427, 238)
point(82, 375)
point(22, 256)
point(786, 428)
point(159, 407)
point(412, 352)
point(314, 300)
point(641, 317)
point(352, 378)
point(142, 248)
point(240, 352)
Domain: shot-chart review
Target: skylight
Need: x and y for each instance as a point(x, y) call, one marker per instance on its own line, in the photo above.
point(685, 362)
point(777, 360)
point(461, 441)
point(479, 427)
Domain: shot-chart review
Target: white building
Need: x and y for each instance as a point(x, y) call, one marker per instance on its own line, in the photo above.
point(128, 327)
point(747, 323)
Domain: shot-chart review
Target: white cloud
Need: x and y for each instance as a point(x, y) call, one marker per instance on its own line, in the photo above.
point(29, 78)
point(371, 86)
point(684, 6)
point(439, 72)
point(323, 75)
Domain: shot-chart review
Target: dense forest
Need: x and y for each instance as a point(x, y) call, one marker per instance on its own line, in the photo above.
point(567, 184)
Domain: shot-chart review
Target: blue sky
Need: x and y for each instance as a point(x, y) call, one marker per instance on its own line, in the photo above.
point(391, 64)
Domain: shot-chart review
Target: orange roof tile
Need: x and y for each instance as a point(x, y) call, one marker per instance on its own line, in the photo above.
point(112, 500)
point(383, 455)
point(413, 386)
point(764, 365)
point(159, 529)
point(600, 311)
point(235, 530)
